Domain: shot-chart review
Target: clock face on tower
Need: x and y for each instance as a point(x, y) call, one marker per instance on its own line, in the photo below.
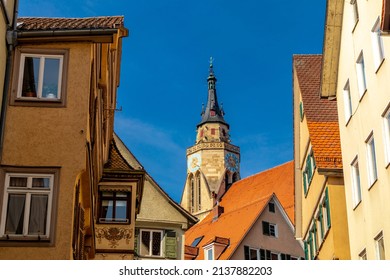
point(194, 162)
point(231, 161)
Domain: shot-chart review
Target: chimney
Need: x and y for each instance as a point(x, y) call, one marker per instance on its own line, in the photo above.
point(217, 210)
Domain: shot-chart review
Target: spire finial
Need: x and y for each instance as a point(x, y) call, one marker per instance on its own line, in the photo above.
point(211, 61)
point(211, 70)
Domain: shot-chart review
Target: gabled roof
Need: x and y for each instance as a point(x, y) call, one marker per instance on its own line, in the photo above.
point(243, 203)
point(321, 113)
point(42, 23)
point(128, 158)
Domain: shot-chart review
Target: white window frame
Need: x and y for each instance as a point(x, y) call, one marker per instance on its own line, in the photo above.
point(372, 169)
point(361, 75)
point(378, 240)
point(377, 44)
point(347, 102)
point(151, 242)
point(39, 89)
point(355, 182)
point(355, 13)
point(209, 252)
point(386, 128)
point(28, 191)
point(256, 251)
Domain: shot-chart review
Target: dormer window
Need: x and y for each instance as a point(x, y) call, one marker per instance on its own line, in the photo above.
point(114, 207)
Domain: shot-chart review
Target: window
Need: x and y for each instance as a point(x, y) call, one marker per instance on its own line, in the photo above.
point(301, 111)
point(361, 75)
point(151, 242)
point(377, 44)
point(325, 211)
point(356, 189)
point(209, 253)
point(253, 254)
point(386, 127)
point(380, 247)
point(355, 13)
point(347, 102)
point(41, 77)
point(371, 161)
point(270, 229)
point(199, 191)
point(196, 241)
point(28, 206)
point(115, 207)
point(271, 207)
point(308, 171)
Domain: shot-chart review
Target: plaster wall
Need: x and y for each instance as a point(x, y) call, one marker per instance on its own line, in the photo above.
point(53, 137)
point(370, 216)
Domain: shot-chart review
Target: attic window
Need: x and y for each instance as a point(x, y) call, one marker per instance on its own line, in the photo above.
point(196, 241)
point(271, 207)
point(212, 113)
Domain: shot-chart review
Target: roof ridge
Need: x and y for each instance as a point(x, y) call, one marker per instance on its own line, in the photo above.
point(265, 170)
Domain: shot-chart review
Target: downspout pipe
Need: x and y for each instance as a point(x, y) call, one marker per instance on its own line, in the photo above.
point(11, 42)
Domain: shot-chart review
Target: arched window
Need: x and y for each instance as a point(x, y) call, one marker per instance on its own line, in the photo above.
point(227, 181)
point(235, 177)
point(192, 194)
point(198, 187)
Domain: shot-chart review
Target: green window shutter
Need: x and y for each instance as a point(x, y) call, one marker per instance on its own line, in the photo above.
point(170, 245)
point(306, 250)
point(246, 252)
point(320, 219)
point(301, 110)
point(305, 182)
point(314, 232)
point(309, 168)
point(327, 207)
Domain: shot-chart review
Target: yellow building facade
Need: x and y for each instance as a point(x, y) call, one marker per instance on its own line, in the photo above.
point(66, 191)
point(364, 116)
point(320, 213)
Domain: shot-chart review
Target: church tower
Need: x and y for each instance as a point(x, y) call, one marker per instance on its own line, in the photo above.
point(213, 163)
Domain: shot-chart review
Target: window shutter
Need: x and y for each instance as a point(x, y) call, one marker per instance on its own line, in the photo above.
point(308, 168)
point(327, 206)
point(306, 251)
point(268, 254)
point(305, 182)
point(170, 245)
point(246, 252)
point(282, 256)
point(262, 254)
point(265, 228)
point(301, 110)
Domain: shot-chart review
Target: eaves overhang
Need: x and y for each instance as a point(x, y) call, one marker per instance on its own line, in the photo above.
point(331, 47)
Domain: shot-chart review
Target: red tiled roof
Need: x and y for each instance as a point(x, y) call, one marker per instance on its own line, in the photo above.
point(321, 114)
point(243, 203)
point(41, 23)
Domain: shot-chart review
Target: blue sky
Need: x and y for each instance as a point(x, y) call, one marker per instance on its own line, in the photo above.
point(165, 65)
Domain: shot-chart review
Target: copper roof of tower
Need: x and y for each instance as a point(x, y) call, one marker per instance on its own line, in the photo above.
point(213, 112)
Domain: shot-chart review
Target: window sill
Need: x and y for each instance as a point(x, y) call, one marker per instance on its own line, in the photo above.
point(24, 241)
point(379, 66)
point(357, 205)
point(28, 102)
point(372, 184)
point(362, 95)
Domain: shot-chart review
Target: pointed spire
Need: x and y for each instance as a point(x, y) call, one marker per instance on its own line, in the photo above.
point(212, 112)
